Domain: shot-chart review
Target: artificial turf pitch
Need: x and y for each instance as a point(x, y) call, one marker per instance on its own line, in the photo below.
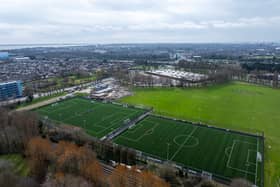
point(97, 118)
point(225, 154)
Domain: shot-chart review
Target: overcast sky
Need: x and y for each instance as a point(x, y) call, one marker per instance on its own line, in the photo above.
point(118, 21)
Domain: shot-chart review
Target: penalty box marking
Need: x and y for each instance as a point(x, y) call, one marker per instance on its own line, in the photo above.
point(141, 124)
point(117, 120)
point(229, 159)
point(248, 156)
point(143, 134)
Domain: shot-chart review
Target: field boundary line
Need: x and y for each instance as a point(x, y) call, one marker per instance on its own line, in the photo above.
point(229, 158)
point(182, 145)
point(207, 125)
point(256, 173)
point(250, 143)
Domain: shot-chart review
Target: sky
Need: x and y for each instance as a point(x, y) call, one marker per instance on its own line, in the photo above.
point(138, 21)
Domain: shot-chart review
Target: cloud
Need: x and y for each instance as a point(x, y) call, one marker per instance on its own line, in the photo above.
point(247, 23)
point(91, 21)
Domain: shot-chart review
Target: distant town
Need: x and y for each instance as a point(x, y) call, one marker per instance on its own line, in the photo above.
point(141, 114)
point(45, 69)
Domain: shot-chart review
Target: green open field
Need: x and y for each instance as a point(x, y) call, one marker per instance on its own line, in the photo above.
point(19, 163)
point(97, 118)
point(219, 152)
point(238, 106)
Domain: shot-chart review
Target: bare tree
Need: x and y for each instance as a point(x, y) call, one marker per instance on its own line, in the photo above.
point(240, 183)
point(61, 180)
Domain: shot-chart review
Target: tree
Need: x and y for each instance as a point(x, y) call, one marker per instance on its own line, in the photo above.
point(16, 129)
point(27, 182)
point(240, 183)
point(72, 159)
point(208, 183)
point(68, 158)
point(168, 173)
point(123, 177)
point(26, 124)
point(38, 150)
point(94, 173)
point(5, 165)
point(28, 91)
point(150, 180)
point(119, 177)
point(66, 180)
point(131, 157)
point(134, 176)
point(10, 179)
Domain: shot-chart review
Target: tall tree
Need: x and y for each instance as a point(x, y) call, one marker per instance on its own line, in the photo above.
point(38, 150)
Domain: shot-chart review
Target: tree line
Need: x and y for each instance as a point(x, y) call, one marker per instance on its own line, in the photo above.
point(269, 67)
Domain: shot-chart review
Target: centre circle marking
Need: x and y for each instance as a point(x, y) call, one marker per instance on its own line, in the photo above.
point(192, 141)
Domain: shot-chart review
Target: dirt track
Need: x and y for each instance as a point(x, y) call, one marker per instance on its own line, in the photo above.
point(37, 105)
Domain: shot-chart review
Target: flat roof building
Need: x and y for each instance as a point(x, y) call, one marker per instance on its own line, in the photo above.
point(11, 90)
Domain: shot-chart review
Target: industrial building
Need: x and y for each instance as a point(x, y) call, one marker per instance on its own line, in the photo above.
point(11, 90)
point(179, 75)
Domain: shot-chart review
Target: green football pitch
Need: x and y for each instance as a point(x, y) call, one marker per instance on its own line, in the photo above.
point(223, 153)
point(97, 118)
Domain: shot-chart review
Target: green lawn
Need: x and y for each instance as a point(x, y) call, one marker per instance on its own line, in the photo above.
point(236, 105)
point(229, 155)
point(19, 163)
point(97, 118)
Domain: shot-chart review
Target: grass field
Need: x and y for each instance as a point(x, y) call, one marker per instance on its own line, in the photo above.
point(236, 105)
point(19, 163)
point(97, 118)
point(228, 154)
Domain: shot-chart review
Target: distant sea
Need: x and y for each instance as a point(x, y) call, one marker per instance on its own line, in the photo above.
point(22, 46)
